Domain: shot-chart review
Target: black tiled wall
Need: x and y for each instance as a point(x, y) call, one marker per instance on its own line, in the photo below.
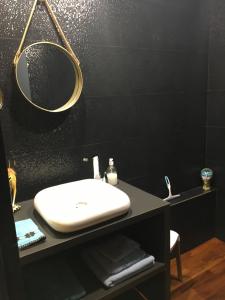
point(145, 76)
point(215, 136)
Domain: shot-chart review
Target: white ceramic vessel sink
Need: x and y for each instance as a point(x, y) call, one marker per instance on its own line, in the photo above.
point(72, 206)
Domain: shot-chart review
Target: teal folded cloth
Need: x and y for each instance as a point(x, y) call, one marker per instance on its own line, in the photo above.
point(52, 279)
point(28, 233)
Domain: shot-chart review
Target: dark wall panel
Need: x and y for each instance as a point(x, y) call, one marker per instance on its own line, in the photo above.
point(145, 73)
point(215, 135)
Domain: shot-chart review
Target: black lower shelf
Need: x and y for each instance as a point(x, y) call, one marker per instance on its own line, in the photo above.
point(96, 291)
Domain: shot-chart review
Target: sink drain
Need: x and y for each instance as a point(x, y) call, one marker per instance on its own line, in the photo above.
point(80, 204)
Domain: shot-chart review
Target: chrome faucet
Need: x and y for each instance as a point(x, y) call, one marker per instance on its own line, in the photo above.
point(96, 172)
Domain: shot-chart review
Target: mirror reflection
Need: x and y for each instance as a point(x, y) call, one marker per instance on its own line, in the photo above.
point(47, 76)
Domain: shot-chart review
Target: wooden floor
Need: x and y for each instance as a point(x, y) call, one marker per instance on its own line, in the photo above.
point(203, 273)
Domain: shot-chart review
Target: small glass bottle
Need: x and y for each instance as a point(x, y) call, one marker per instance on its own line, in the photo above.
point(111, 173)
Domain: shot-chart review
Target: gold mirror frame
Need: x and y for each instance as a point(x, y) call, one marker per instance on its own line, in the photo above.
point(1, 99)
point(67, 50)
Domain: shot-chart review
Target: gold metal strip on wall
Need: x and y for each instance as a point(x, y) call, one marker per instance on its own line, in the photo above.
point(54, 21)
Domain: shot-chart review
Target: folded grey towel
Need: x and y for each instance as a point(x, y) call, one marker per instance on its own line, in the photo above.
point(116, 247)
point(111, 267)
point(112, 280)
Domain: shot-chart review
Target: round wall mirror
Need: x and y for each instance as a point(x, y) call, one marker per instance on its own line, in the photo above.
point(49, 77)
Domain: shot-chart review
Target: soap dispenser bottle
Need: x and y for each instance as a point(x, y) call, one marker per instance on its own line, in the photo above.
point(111, 173)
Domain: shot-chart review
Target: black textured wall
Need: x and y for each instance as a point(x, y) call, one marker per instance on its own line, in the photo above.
point(145, 70)
point(215, 147)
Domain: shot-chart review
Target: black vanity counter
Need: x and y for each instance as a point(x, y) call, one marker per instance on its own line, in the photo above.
point(193, 215)
point(143, 206)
